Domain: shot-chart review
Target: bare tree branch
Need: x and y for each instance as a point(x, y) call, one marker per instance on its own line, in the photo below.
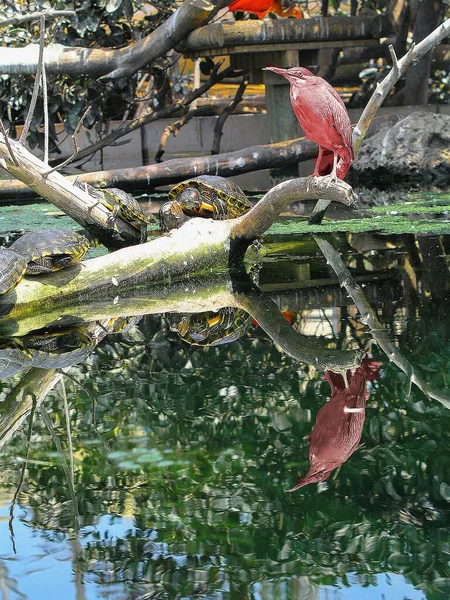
point(113, 63)
point(35, 16)
point(37, 82)
point(76, 149)
point(399, 68)
point(174, 128)
point(227, 111)
point(164, 113)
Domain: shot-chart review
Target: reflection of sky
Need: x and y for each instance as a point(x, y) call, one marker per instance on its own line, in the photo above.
point(44, 569)
point(389, 587)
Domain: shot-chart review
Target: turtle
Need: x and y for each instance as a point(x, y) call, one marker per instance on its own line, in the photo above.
point(125, 205)
point(12, 269)
point(210, 328)
point(60, 348)
point(121, 204)
point(47, 250)
point(13, 358)
point(209, 196)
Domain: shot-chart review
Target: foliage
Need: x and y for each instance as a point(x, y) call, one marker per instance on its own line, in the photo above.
point(98, 23)
point(198, 445)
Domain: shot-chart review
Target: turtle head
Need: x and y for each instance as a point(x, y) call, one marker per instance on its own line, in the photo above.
point(190, 198)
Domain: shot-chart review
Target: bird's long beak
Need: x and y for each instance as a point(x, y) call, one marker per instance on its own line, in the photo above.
point(310, 477)
point(277, 70)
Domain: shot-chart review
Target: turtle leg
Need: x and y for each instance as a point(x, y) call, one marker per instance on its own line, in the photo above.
point(220, 209)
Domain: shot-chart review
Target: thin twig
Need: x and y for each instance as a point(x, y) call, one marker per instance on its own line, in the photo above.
point(174, 128)
point(8, 145)
point(21, 478)
point(48, 423)
point(75, 146)
point(164, 113)
point(414, 53)
point(394, 60)
point(45, 101)
point(68, 430)
point(37, 82)
point(34, 16)
point(227, 111)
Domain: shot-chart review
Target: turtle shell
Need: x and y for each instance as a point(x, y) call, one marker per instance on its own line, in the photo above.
point(12, 360)
point(48, 250)
point(128, 207)
point(12, 269)
point(58, 349)
point(218, 196)
point(210, 328)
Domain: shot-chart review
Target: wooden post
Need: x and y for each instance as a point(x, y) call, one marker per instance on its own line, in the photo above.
point(282, 120)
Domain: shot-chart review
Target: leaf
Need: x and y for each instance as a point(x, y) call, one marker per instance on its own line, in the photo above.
point(112, 5)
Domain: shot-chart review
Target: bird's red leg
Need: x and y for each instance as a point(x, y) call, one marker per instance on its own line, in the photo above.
point(333, 177)
point(318, 161)
point(333, 172)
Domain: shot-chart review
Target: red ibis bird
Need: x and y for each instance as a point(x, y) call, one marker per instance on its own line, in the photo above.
point(339, 423)
point(323, 117)
point(264, 7)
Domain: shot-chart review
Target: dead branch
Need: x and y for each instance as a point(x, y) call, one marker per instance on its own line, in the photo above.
point(399, 68)
point(175, 127)
point(55, 188)
point(254, 223)
point(148, 177)
point(76, 149)
point(49, 15)
point(112, 63)
point(164, 113)
point(227, 111)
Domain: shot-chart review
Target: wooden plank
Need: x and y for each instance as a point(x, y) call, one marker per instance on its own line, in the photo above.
point(263, 48)
point(286, 31)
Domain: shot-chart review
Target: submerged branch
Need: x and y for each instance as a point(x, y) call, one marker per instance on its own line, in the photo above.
point(377, 329)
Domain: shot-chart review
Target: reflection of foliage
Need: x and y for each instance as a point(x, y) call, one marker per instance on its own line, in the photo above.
point(199, 446)
point(99, 23)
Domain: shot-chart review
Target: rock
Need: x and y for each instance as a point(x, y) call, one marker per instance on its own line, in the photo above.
point(413, 152)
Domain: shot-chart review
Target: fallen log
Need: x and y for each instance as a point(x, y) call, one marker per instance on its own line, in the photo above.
point(121, 280)
point(149, 177)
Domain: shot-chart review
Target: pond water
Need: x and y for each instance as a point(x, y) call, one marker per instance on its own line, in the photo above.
point(161, 469)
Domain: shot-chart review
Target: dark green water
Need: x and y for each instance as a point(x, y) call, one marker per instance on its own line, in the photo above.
point(175, 485)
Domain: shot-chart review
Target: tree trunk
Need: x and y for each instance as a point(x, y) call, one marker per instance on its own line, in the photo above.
point(427, 18)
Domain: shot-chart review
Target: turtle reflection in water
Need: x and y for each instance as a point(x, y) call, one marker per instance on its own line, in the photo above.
point(47, 350)
point(40, 251)
point(207, 196)
point(210, 328)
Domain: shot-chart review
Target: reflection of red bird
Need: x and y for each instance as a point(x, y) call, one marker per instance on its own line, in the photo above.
point(322, 116)
point(339, 423)
point(264, 7)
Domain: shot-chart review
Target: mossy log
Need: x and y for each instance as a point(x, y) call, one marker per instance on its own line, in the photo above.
point(140, 279)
